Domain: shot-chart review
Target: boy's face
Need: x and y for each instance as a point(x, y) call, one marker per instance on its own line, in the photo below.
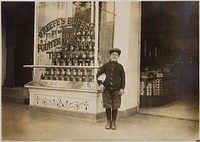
point(114, 56)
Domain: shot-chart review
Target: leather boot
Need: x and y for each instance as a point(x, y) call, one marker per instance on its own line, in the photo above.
point(108, 116)
point(114, 116)
point(108, 125)
point(113, 125)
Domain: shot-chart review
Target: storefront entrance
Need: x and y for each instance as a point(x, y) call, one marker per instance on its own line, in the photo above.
point(17, 42)
point(169, 59)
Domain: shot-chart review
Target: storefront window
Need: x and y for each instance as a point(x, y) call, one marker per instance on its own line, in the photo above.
point(106, 29)
point(66, 51)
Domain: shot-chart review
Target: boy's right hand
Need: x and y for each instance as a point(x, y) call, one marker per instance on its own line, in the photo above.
point(101, 88)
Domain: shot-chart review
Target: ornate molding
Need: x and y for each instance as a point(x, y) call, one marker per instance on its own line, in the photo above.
point(62, 103)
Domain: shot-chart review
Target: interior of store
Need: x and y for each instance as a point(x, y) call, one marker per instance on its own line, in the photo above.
point(169, 59)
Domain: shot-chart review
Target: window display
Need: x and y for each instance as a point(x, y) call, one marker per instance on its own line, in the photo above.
point(68, 45)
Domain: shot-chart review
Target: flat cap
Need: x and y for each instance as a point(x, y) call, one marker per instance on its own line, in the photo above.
point(115, 50)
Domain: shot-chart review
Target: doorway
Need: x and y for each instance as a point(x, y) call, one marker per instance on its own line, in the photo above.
point(170, 59)
point(18, 38)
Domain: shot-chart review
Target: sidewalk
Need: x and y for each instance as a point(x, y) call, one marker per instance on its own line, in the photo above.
point(21, 124)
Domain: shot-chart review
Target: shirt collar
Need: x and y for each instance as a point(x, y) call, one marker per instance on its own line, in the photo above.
point(113, 61)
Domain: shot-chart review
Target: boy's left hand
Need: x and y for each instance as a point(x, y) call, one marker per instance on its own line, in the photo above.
point(121, 92)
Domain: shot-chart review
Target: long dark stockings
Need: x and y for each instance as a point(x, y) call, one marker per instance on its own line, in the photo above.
point(108, 114)
point(114, 114)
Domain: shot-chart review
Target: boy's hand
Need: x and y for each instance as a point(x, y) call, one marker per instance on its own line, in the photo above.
point(101, 88)
point(121, 92)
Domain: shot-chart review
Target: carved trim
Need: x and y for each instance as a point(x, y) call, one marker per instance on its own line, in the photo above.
point(61, 103)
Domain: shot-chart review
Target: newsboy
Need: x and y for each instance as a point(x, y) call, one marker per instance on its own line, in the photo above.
point(112, 87)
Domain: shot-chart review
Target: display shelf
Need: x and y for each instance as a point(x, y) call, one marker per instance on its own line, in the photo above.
point(56, 66)
point(70, 77)
point(33, 86)
point(156, 89)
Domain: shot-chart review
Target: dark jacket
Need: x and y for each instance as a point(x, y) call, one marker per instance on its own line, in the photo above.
point(115, 75)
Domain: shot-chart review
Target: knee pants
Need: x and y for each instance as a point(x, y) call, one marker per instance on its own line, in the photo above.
point(111, 99)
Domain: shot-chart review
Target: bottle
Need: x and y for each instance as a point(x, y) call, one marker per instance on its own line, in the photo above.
point(83, 56)
point(52, 71)
point(58, 56)
point(91, 55)
point(46, 77)
point(90, 47)
point(56, 77)
point(79, 73)
point(42, 76)
point(51, 77)
point(62, 71)
point(56, 62)
point(86, 79)
point(65, 56)
point(67, 78)
point(91, 63)
point(61, 62)
point(47, 71)
point(68, 72)
point(76, 56)
point(75, 63)
point(89, 72)
point(70, 63)
point(74, 72)
point(64, 63)
point(57, 71)
point(62, 78)
point(85, 72)
point(78, 78)
point(87, 55)
point(73, 78)
point(83, 63)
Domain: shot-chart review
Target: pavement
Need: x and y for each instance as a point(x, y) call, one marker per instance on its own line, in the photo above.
point(20, 123)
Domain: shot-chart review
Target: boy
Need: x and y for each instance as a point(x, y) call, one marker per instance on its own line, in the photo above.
point(112, 87)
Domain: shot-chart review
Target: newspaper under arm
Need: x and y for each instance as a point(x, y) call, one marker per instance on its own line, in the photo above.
point(101, 78)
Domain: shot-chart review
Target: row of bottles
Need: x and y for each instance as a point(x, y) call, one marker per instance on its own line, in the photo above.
point(69, 74)
point(151, 88)
point(158, 87)
point(78, 62)
point(77, 55)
